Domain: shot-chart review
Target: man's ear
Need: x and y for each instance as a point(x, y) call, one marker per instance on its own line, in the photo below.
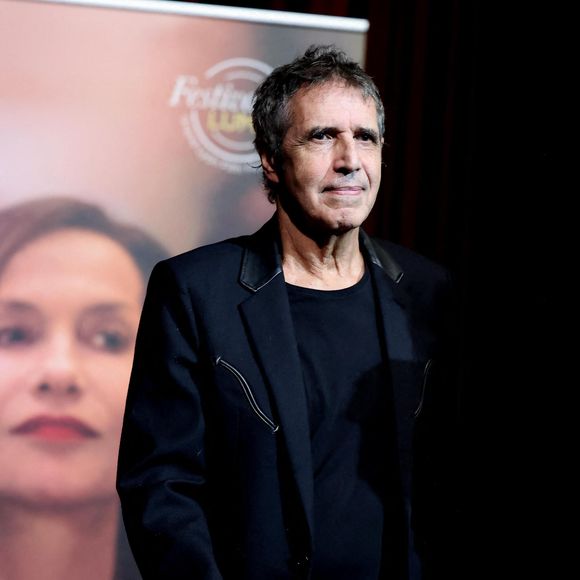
point(268, 168)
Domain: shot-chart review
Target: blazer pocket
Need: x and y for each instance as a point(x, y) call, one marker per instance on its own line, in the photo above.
point(426, 373)
point(219, 361)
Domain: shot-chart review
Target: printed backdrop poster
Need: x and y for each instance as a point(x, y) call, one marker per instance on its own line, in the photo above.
point(125, 136)
point(146, 109)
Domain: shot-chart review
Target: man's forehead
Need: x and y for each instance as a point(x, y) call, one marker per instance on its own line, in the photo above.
point(314, 103)
point(331, 86)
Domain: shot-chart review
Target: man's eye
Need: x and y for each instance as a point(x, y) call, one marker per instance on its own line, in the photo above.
point(364, 136)
point(320, 136)
point(15, 336)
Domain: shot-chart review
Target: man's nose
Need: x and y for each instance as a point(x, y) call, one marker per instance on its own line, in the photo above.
point(59, 377)
point(347, 158)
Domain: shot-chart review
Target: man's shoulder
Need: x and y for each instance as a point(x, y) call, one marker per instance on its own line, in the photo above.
point(221, 258)
point(219, 262)
point(428, 286)
point(412, 265)
point(203, 267)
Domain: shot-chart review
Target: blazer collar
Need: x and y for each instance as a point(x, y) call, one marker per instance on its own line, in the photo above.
point(381, 258)
point(262, 260)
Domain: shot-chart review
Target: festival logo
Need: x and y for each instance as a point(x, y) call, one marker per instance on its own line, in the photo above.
point(217, 119)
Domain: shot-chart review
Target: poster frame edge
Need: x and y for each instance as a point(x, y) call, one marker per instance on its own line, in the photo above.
point(255, 15)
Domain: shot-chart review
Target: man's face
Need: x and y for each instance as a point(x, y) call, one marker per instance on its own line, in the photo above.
point(331, 166)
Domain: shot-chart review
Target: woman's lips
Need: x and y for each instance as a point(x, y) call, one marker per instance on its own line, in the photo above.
point(51, 428)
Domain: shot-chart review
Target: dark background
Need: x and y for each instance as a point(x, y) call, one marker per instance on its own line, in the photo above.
point(478, 108)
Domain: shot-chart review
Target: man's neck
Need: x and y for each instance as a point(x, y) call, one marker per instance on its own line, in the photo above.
point(331, 262)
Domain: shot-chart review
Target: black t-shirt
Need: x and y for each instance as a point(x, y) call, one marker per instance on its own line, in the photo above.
point(346, 389)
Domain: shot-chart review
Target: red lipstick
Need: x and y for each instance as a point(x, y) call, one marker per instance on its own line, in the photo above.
point(51, 428)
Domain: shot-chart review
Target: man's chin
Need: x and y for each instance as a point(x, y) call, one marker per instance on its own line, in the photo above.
point(342, 228)
point(344, 222)
point(324, 229)
point(323, 224)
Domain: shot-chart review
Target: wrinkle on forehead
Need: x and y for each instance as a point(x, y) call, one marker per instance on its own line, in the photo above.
point(317, 109)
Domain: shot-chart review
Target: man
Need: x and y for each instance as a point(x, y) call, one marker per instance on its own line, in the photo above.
point(278, 377)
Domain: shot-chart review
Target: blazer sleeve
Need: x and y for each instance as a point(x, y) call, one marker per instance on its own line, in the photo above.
point(161, 476)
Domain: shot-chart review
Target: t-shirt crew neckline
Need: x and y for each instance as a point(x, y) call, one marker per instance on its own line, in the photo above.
point(330, 293)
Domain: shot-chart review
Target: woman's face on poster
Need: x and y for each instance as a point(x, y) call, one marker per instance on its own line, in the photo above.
point(69, 308)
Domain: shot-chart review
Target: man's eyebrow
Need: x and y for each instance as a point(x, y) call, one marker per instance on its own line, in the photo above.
point(321, 129)
point(331, 130)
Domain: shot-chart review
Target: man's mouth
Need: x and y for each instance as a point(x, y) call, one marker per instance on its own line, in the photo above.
point(343, 189)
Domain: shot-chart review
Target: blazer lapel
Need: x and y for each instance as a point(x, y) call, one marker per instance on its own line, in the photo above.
point(266, 314)
point(399, 344)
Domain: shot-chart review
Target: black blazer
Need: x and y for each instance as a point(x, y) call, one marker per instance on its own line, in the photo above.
point(215, 474)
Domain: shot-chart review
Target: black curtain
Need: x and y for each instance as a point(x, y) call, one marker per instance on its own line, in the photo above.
point(477, 113)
